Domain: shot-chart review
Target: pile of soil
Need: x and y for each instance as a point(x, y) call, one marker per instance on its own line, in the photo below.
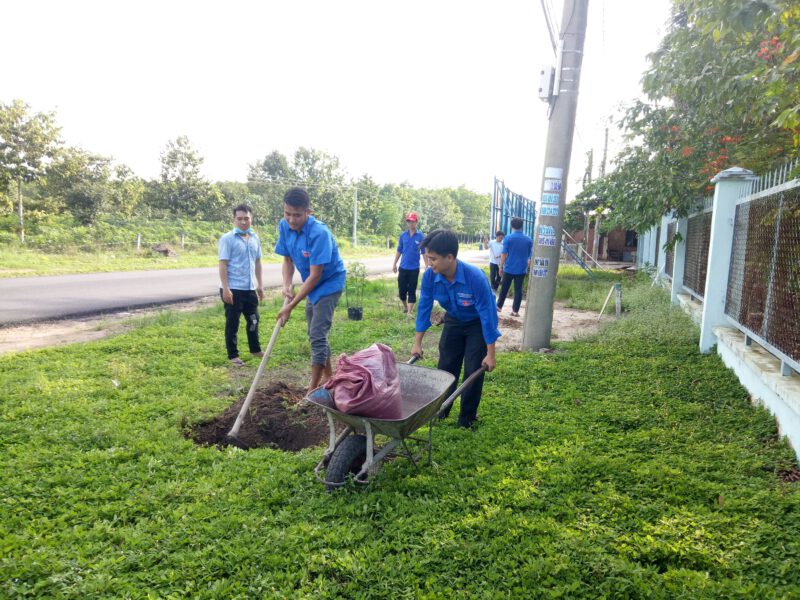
point(790, 475)
point(511, 322)
point(275, 419)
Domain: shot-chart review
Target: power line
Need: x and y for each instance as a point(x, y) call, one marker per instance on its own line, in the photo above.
point(549, 22)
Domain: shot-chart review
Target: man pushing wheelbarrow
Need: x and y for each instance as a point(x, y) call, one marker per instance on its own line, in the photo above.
point(470, 327)
point(469, 336)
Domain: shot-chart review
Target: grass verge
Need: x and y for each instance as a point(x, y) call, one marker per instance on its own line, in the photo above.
point(626, 465)
point(24, 262)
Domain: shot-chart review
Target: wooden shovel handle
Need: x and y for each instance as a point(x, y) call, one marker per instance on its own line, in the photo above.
point(246, 405)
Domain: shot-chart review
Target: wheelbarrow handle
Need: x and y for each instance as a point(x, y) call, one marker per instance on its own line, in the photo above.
point(464, 385)
point(414, 358)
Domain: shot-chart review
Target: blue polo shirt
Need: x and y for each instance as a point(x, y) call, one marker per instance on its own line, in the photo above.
point(519, 248)
point(408, 247)
point(241, 256)
point(467, 298)
point(313, 245)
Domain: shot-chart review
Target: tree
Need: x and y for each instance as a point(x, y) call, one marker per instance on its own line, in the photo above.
point(722, 90)
point(126, 193)
point(438, 209)
point(320, 173)
point(183, 190)
point(475, 209)
point(389, 216)
point(370, 203)
point(81, 180)
point(331, 197)
point(236, 193)
point(268, 180)
point(26, 142)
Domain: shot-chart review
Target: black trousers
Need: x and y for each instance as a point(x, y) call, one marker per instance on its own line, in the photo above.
point(245, 302)
point(494, 275)
point(518, 282)
point(407, 284)
point(463, 343)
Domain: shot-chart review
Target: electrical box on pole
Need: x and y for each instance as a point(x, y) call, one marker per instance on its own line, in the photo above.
point(546, 83)
point(538, 325)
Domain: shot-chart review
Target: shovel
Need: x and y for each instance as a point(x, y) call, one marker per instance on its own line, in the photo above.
point(234, 432)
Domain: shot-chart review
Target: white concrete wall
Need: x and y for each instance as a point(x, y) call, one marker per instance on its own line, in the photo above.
point(760, 373)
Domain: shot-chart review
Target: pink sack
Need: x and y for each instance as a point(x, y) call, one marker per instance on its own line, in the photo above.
point(367, 384)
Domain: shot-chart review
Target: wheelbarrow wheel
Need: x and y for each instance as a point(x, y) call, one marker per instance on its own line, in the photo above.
point(348, 457)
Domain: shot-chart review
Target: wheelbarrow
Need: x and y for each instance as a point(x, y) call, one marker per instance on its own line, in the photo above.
point(354, 450)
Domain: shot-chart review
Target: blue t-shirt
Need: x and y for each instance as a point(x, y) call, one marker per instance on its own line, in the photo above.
point(519, 248)
point(313, 245)
point(467, 298)
point(408, 248)
point(241, 256)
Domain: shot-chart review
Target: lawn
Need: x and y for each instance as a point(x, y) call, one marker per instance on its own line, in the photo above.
point(623, 466)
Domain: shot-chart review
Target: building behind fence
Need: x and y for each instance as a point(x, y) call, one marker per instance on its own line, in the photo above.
point(735, 266)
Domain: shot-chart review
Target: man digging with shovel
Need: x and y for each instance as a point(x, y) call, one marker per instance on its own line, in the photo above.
point(309, 246)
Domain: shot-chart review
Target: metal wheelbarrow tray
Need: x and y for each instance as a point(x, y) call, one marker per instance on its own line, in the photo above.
point(423, 391)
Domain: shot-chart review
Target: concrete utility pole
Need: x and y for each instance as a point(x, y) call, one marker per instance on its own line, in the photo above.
point(605, 156)
point(596, 239)
point(547, 242)
point(355, 217)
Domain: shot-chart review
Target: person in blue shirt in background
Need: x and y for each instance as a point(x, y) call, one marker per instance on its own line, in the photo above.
point(408, 253)
point(470, 327)
point(514, 264)
point(241, 288)
point(309, 246)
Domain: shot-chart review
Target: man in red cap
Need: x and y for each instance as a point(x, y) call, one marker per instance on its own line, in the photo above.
point(408, 253)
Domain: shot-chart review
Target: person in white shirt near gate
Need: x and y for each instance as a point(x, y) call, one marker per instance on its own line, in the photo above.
point(495, 250)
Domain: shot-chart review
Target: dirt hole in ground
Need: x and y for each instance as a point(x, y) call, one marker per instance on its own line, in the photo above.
point(275, 419)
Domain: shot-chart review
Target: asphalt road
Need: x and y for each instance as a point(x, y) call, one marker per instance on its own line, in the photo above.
point(31, 299)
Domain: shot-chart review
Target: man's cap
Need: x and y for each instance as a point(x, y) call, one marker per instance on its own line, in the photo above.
point(412, 216)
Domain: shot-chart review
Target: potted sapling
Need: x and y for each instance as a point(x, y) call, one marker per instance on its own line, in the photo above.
point(354, 290)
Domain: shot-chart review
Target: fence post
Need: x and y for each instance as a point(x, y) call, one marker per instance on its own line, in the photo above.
point(183, 240)
point(641, 244)
point(652, 251)
point(660, 252)
point(728, 188)
point(618, 299)
point(138, 241)
point(679, 259)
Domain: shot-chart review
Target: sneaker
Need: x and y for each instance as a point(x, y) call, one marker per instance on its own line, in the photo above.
point(259, 354)
point(237, 362)
point(514, 314)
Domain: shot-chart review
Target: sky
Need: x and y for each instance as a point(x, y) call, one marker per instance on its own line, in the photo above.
point(436, 93)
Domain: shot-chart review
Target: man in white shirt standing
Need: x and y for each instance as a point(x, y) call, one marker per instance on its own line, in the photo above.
point(495, 250)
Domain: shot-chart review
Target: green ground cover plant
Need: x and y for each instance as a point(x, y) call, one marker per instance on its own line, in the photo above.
point(577, 290)
point(624, 465)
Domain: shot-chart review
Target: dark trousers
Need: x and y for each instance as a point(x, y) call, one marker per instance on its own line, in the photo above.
point(245, 302)
point(463, 342)
point(518, 281)
point(407, 284)
point(494, 275)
